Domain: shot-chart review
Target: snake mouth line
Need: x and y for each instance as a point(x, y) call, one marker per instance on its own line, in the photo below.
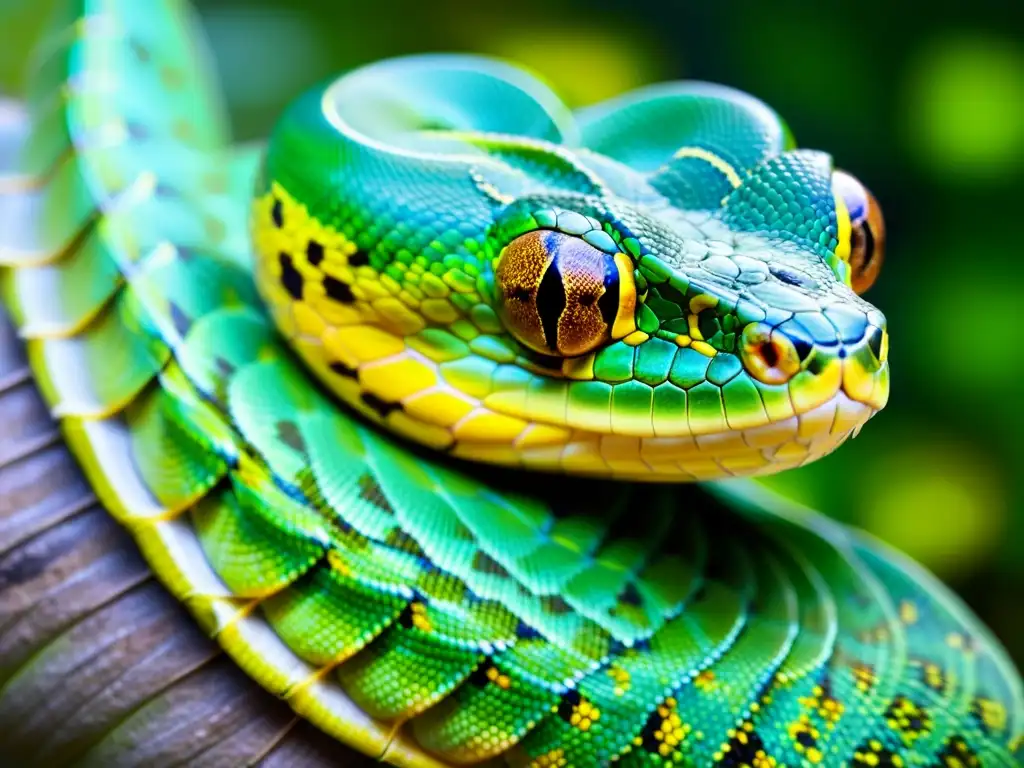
point(758, 450)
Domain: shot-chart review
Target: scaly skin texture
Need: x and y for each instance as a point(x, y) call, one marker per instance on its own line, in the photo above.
point(387, 234)
point(433, 612)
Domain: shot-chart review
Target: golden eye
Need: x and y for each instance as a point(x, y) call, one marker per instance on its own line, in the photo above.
point(559, 295)
point(867, 230)
point(769, 356)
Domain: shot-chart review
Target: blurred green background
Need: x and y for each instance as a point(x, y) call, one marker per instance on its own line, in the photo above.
point(927, 107)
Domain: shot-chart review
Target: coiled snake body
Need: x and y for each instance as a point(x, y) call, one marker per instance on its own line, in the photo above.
point(657, 288)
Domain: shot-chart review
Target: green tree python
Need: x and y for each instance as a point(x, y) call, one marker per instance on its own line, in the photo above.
point(383, 403)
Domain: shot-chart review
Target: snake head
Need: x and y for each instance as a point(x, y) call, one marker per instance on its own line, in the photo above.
point(719, 305)
point(659, 287)
point(734, 323)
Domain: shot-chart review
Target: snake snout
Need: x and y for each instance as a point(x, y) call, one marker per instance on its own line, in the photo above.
point(866, 364)
point(851, 349)
point(819, 356)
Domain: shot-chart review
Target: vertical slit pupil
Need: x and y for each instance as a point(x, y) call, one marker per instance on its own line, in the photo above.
point(551, 303)
point(869, 246)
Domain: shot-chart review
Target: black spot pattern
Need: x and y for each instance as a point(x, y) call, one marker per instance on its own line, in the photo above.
point(570, 699)
point(343, 370)
point(908, 718)
point(288, 433)
point(277, 214)
point(648, 740)
point(290, 277)
point(398, 539)
point(338, 290)
point(872, 754)
point(479, 676)
point(382, 407)
point(556, 604)
point(370, 490)
point(525, 632)
point(484, 563)
point(314, 253)
point(958, 754)
point(359, 259)
point(405, 617)
point(745, 747)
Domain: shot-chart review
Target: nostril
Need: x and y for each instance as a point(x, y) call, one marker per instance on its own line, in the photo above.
point(878, 343)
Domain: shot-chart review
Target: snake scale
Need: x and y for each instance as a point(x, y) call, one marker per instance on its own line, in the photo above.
point(527, 314)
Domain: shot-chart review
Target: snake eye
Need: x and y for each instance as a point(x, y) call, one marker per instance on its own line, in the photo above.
point(559, 295)
point(867, 230)
point(768, 355)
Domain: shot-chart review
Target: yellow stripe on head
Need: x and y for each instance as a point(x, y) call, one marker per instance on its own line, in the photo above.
point(716, 162)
